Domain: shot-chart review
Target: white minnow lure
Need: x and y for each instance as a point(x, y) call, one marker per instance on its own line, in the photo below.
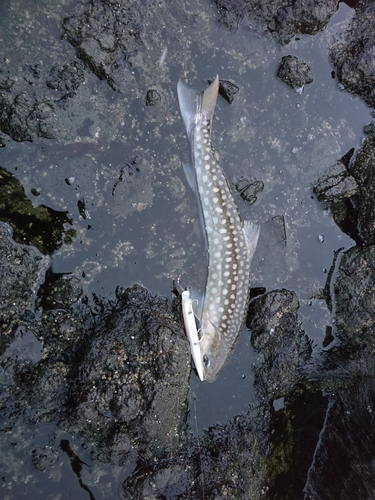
point(230, 242)
point(191, 331)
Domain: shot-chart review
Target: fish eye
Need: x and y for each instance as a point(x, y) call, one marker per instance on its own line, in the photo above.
point(206, 361)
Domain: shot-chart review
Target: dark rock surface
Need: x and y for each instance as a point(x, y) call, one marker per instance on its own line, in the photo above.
point(338, 191)
point(249, 460)
point(281, 347)
point(21, 272)
point(336, 184)
point(283, 20)
point(248, 190)
point(66, 77)
point(348, 188)
point(363, 170)
point(104, 36)
point(228, 90)
point(346, 441)
point(353, 54)
point(294, 72)
point(116, 373)
point(353, 296)
point(24, 117)
point(28, 105)
point(152, 97)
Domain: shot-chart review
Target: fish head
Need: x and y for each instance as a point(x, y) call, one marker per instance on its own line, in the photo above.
point(214, 352)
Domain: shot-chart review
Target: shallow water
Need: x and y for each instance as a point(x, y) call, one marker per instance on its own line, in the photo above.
point(270, 133)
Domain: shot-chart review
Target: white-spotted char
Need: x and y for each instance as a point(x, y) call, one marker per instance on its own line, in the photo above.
point(231, 243)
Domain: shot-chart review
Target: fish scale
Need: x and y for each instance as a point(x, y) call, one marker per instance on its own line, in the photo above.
point(230, 242)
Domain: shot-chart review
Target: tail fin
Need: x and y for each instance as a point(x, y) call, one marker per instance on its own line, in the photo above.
point(251, 231)
point(193, 104)
point(189, 100)
point(209, 100)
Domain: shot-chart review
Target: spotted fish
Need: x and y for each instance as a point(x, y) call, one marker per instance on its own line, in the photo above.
point(230, 242)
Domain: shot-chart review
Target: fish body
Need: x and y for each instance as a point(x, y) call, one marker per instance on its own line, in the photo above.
point(230, 242)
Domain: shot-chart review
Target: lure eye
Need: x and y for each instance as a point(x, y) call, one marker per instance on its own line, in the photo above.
point(206, 361)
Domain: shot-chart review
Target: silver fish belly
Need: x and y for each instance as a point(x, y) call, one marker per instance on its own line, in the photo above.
point(231, 243)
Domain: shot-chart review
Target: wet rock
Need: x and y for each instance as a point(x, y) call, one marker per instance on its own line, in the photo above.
point(196, 472)
point(346, 440)
point(39, 226)
point(248, 190)
point(129, 391)
point(283, 20)
point(281, 347)
point(250, 461)
point(289, 411)
point(24, 117)
point(369, 128)
point(114, 372)
point(32, 73)
point(105, 36)
point(363, 170)
point(66, 77)
point(335, 184)
point(338, 190)
point(228, 90)
point(353, 54)
point(152, 98)
point(294, 72)
point(353, 296)
point(58, 291)
point(21, 271)
point(29, 105)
